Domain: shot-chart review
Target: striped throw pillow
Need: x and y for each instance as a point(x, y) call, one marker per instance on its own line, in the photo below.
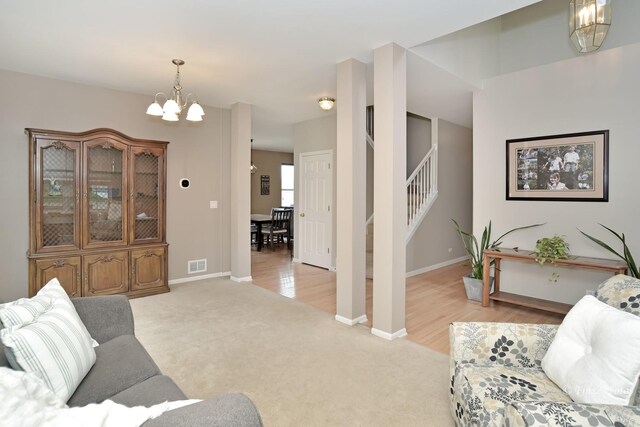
point(45, 335)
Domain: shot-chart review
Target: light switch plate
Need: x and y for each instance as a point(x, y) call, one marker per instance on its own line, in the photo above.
point(213, 204)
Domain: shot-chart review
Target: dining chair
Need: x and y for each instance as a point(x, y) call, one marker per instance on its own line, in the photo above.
point(278, 227)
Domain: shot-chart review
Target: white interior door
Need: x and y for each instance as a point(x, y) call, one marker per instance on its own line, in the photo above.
point(315, 199)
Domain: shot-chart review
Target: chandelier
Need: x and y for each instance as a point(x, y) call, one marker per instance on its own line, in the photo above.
point(174, 103)
point(589, 21)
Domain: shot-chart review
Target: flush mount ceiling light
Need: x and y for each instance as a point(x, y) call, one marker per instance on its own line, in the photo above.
point(589, 21)
point(326, 103)
point(174, 103)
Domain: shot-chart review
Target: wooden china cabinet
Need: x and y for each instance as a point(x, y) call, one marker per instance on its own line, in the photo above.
point(97, 213)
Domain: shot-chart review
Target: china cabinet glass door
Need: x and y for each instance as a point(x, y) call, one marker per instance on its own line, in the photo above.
point(147, 194)
point(57, 194)
point(105, 208)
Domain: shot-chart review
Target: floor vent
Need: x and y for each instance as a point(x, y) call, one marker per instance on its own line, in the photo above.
point(197, 266)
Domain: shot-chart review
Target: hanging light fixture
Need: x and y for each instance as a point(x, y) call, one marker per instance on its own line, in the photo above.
point(326, 103)
point(253, 168)
point(174, 103)
point(589, 21)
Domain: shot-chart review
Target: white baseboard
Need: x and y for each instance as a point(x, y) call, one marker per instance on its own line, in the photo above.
point(435, 266)
point(201, 277)
point(351, 322)
point(295, 260)
point(241, 279)
point(332, 268)
point(387, 336)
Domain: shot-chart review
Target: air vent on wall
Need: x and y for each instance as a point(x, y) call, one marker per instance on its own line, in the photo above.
point(197, 266)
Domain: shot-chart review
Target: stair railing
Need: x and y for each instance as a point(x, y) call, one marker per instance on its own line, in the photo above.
point(422, 190)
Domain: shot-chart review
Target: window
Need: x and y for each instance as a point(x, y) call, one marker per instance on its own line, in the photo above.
point(286, 184)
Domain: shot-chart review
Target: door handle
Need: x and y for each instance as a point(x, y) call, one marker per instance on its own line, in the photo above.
point(302, 214)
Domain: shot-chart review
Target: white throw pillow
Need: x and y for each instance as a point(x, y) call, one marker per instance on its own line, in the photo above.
point(45, 335)
point(594, 355)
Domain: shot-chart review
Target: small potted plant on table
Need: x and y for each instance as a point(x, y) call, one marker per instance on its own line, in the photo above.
point(475, 251)
point(551, 249)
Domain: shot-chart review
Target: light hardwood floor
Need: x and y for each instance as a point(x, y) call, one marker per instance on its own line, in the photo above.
point(434, 299)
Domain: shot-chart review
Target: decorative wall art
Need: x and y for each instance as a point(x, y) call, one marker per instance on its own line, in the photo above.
point(264, 185)
point(570, 167)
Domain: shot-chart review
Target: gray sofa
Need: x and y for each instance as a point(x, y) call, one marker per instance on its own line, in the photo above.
point(126, 374)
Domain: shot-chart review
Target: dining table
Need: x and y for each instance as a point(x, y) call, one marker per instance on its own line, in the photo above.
point(258, 220)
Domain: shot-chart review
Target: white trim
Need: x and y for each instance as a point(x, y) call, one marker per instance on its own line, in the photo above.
point(296, 260)
point(435, 266)
point(332, 268)
point(195, 278)
point(351, 322)
point(241, 279)
point(387, 336)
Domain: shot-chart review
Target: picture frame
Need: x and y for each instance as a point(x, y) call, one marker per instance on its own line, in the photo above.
point(570, 167)
point(265, 183)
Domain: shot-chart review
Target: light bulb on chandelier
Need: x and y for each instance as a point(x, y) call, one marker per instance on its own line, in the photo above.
point(174, 104)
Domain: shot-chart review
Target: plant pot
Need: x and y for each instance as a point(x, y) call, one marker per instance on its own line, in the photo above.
point(474, 287)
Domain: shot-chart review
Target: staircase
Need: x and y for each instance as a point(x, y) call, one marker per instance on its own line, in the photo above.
point(422, 191)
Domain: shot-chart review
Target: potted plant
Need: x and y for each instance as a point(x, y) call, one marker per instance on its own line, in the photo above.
point(551, 249)
point(627, 257)
point(475, 252)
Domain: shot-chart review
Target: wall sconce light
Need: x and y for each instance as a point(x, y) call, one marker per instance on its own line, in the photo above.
point(589, 21)
point(253, 168)
point(326, 103)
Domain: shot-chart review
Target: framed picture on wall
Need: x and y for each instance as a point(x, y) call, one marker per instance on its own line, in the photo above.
point(571, 167)
point(264, 185)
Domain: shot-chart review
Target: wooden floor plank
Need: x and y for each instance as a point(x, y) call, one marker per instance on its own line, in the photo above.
point(434, 299)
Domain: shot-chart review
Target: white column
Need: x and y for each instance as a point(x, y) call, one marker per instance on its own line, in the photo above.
point(240, 192)
point(389, 183)
point(351, 194)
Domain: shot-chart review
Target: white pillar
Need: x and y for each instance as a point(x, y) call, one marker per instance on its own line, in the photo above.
point(240, 192)
point(351, 194)
point(389, 183)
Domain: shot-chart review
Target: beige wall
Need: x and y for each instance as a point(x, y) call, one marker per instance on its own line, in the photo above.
point(431, 243)
point(316, 135)
point(591, 92)
point(268, 163)
point(198, 151)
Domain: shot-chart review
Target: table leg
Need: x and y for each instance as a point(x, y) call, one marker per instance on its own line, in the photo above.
point(486, 286)
point(496, 274)
point(259, 236)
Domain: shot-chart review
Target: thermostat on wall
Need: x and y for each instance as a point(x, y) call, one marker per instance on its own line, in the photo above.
point(184, 183)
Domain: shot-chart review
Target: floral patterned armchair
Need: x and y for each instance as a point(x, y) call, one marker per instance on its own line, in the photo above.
point(497, 378)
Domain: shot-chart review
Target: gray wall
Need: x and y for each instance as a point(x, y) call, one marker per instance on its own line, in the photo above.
point(591, 92)
point(200, 152)
point(268, 163)
point(316, 135)
point(418, 140)
point(434, 238)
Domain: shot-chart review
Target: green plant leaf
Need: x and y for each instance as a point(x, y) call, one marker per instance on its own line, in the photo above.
point(627, 257)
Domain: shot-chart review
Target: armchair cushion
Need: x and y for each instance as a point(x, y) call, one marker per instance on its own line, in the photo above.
point(621, 292)
point(509, 344)
point(594, 356)
point(481, 392)
point(561, 414)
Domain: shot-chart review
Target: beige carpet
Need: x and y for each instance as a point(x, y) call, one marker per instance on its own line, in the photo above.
point(300, 367)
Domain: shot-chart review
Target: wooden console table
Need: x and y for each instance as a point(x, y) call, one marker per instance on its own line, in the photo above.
point(522, 255)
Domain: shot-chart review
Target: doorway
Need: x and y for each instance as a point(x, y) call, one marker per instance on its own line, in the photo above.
point(315, 223)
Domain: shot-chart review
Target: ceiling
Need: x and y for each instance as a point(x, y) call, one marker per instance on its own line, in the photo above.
point(279, 56)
